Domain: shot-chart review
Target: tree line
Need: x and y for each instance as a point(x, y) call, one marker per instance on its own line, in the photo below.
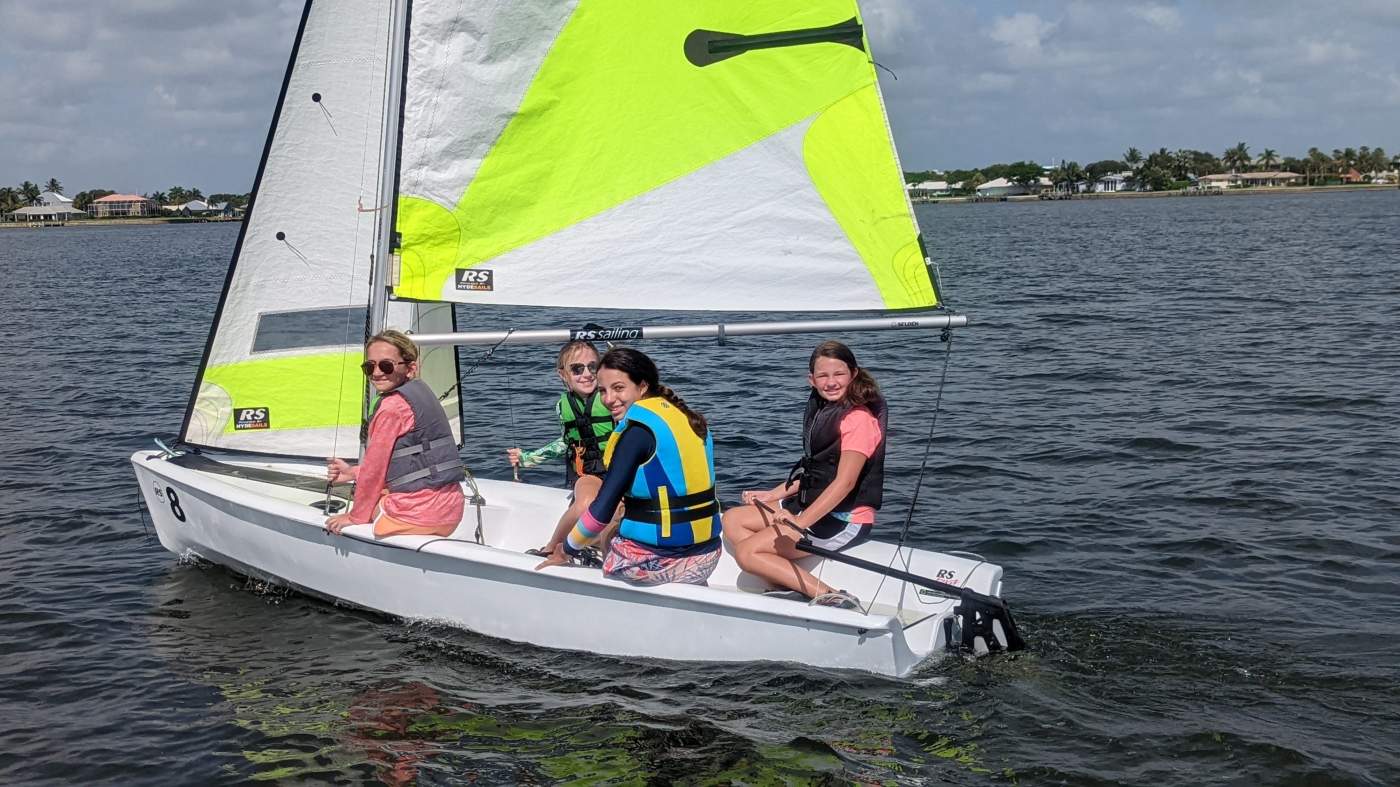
point(1166, 169)
point(27, 193)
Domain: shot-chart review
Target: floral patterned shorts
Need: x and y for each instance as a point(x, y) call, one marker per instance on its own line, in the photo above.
point(636, 563)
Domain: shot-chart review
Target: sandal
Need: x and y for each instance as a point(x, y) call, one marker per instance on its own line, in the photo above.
point(837, 599)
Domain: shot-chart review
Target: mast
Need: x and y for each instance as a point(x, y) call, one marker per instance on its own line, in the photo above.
point(395, 72)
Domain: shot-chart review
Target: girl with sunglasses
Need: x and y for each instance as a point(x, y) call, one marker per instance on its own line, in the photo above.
point(661, 468)
point(584, 425)
point(833, 491)
point(409, 480)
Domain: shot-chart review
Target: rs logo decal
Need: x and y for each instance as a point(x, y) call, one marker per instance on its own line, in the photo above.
point(252, 418)
point(480, 279)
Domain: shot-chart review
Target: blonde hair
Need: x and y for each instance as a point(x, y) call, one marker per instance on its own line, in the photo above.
point(572, 347)
point(399, 340)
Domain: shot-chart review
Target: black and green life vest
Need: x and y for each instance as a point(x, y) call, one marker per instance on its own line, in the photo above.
point(587, 424)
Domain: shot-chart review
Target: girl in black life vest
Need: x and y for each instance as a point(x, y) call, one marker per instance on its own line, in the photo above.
point(833, 491)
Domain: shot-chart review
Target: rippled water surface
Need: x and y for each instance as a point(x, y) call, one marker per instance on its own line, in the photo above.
point(1173, 421)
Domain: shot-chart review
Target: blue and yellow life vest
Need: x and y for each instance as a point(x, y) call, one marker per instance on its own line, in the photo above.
point(671, 502)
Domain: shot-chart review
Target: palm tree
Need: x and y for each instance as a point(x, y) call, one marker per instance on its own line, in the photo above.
point(54, 186)
point(1182, 164)
point(9, 198)
point(1236, 157)
point(29, 192)
point(1395, 161)
point(1269, 158)
point(1075, 173)
point(1315, 160)
point(1132, 158)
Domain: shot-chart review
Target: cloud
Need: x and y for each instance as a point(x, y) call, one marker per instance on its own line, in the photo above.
point(1161, 16)
point(138, 95)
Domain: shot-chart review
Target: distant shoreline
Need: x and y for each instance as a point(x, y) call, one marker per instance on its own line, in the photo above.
point(1160, 194)
point(140, 220)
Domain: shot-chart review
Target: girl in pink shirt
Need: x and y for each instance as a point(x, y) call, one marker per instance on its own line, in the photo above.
point(834, 490)
point(409, 480)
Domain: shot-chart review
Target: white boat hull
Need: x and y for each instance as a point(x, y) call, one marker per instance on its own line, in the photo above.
point(271, 532)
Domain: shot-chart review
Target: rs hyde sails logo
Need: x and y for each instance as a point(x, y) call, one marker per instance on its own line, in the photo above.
point(479, 279)
point(251, 418)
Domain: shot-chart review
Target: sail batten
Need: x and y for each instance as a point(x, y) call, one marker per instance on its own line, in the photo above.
point(712, 155)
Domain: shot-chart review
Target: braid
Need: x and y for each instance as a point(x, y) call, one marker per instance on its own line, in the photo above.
point(697, 421)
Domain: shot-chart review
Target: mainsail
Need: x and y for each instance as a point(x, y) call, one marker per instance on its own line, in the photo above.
point(281, 369)
point(710, 154)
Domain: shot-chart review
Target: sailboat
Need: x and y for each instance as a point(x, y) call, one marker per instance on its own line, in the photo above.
point(717, 155)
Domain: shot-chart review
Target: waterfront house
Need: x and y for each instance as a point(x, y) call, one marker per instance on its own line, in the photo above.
point(1114, 182)
point(53, 199)
point(47, 214)
point(194, 207)
point(927, 189)
point(1234, 180)
point(123, 205)
point(1001, 187)
point(1269, 178)
point(1352, 176)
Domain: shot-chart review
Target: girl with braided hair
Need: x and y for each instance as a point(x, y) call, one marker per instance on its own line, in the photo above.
point(660, 467)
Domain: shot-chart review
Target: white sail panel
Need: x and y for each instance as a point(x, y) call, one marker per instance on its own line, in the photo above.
point(281, 372)
point(596, 170)
point(806, 249)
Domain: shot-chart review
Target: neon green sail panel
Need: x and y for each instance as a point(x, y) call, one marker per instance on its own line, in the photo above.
point(702, 155)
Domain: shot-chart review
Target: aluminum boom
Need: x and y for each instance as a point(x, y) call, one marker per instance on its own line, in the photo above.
point(718, 331)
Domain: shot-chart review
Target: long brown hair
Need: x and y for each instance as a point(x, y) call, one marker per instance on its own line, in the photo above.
point(863, 390)
point(641, 369)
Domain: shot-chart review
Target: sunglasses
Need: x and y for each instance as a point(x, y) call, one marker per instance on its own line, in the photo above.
point(577, 369)
point(385, 367)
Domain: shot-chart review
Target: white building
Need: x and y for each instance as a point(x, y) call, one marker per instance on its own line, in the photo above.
point(929, 188)
point(1114, 182)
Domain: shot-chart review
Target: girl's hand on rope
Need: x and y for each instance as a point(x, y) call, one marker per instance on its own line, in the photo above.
point(339, 471)
point(513, 454)
point(338, 523)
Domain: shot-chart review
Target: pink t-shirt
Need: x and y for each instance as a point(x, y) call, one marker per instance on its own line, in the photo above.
point(425, 507)
point(860, 432)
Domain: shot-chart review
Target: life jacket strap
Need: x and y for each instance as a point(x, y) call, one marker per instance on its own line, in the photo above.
point(410, 450)
point(423, 473)
point(687, 508)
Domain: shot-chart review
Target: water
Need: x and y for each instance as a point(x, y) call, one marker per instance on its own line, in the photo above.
point(1173, 421)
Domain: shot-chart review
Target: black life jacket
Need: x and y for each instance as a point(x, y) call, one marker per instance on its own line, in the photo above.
point(821, 453)
point(587, 425)
point(427, 456)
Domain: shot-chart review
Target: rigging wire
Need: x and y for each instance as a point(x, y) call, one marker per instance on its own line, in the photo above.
point(947, 338)
point(350, 281)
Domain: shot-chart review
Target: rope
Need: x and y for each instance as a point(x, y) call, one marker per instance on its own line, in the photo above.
point(947, 338)
point(349, 303)
point(141, 509)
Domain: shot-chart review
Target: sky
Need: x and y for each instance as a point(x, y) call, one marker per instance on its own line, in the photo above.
point(139, 95)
